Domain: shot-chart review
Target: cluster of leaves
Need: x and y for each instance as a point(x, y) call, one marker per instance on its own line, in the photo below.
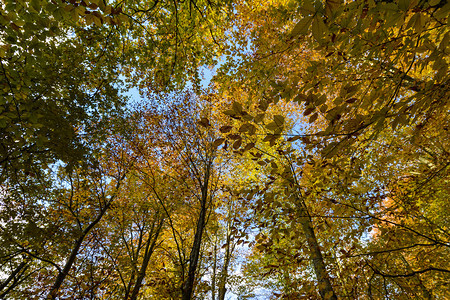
point(371, 80)
point(316, 165)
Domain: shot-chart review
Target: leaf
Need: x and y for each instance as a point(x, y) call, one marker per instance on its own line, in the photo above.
point(237, 144)
point(263, 105)
point(249, 146)
point(204, 122)
point(308, 7)
point(230, 112)
point(225, 129)
point(308, 111)
point(218, 142)
point(15, 27)
point(293, 138)
point(237, 108)
point(89, 19)
point(278, 120)
point(19, 22)
point(331, 7)
point(302, 26)
point(313, 118)
point(318, 28)
point(420, 22)
point(251, 130)
point(97, 21)
point(272, 126)
point(259, 118)
point(351, 100)
point(234, 136)
point(107, 10)
point(330, 150)
point(245, 127)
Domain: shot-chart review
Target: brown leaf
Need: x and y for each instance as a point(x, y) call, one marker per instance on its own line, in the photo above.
point(237, 144)
point(234, 136)
point(218, 142)
point(237, 108)
point(225, 129)
point(249, 146)
point(313, 117)
point(204, 122)
point(308, 111)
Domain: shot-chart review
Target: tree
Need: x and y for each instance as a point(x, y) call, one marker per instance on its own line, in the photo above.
point(61, 64)
point(346, 90)
point(320, 149)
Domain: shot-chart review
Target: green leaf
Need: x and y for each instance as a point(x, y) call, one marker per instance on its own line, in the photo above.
point(319, 28)
point(301, 28)
point(434, 2)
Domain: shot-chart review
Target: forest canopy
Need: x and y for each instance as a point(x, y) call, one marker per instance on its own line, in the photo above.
point(313, 164)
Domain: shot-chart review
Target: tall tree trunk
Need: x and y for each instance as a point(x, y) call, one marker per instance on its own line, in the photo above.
point(325, 288)
point(188, 286)
point(224, 272)
point(195, 254)
point(213, 284)
point(149, 248)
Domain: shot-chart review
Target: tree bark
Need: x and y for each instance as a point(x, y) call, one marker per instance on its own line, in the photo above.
point(188, 286)
point(14, 277)
point(226, 263)
point(213, 284)
point(73, 255)
point(325, 288)
point(150, 247)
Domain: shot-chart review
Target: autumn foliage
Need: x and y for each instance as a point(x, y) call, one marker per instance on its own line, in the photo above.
point(224, 149)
